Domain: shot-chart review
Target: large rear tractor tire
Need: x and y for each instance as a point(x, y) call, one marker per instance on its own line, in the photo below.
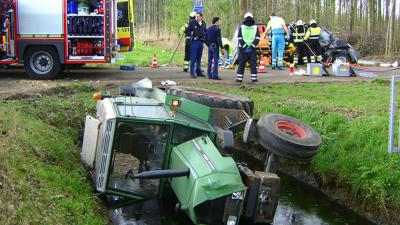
point(213, 99)
point(288, 137)
point(42, 62)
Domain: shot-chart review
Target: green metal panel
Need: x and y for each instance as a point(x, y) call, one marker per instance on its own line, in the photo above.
point(211, 175)
point(187, 106)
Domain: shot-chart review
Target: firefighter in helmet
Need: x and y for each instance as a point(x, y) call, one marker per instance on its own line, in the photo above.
point(183, 33)
point(248, 37)
point(298, 31)
point(312, 39)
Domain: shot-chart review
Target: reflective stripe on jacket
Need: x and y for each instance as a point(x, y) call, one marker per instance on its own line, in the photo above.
point(297, 36)
point(313, 33)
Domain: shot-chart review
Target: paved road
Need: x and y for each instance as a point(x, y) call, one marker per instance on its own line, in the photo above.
point(15, 80)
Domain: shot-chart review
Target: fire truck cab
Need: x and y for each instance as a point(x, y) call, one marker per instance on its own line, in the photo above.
point(47, 35)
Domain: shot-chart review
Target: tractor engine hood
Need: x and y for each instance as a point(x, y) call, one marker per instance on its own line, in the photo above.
point(212, 176)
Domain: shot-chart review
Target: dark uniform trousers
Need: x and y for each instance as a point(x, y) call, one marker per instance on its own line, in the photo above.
point(316, 48)
point(187, 50)
point(301, 52)
point(247, 57)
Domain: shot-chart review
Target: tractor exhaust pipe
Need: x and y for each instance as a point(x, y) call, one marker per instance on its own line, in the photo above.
point(158, 174)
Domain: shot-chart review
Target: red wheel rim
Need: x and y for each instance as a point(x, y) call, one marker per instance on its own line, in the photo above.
point(291, 129)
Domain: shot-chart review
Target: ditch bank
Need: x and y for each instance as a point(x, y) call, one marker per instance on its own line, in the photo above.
point(58, 115)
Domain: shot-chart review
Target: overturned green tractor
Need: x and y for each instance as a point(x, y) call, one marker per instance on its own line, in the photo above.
point(150, 143)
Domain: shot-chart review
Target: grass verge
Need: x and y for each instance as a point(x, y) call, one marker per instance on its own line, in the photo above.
point(352, 119)
point(41, 178)
point(142, 55)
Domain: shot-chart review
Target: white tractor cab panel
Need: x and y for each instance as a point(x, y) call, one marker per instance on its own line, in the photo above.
point(103, 153)
point(44, 17)
point(106, 117)
point(90, 141)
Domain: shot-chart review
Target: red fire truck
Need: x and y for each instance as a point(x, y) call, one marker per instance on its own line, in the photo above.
point(47, 35)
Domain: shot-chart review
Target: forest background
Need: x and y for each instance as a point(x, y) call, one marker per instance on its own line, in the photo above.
point(371, 26)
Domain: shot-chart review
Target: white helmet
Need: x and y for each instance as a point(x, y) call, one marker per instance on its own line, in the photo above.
point(192, 14)
point(300, 23)
point(248, 15)
point(313, 22)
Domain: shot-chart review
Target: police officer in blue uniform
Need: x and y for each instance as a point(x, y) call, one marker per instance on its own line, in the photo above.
point(197, 31)
point(214, 44)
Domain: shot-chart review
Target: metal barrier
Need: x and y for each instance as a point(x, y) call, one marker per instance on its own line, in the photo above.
point(391, 148)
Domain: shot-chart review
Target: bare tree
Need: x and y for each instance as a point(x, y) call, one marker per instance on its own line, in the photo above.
point(243, 7)
point(390, 29)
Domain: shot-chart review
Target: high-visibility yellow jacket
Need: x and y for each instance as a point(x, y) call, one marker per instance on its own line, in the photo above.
point(182, 30)
point(313, 33)
point(226, 42)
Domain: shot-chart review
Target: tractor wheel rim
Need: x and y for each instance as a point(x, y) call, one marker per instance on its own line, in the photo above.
point(291, 129)
point(41, 62)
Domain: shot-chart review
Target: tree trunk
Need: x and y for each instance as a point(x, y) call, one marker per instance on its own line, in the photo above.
point(368, 15)
point(352, 16)
point(390, 30)
point(379, 10)
point(243, 7)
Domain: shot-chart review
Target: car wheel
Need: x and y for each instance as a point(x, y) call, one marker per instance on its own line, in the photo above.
point(42, 62)
point(342, 57)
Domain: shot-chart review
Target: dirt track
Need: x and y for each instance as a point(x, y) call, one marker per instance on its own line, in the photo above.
point(14, 80)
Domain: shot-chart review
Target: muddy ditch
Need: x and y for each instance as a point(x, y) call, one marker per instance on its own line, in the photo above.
point(337, 193)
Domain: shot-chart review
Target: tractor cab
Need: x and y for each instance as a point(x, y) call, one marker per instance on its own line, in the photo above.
point(135, 135)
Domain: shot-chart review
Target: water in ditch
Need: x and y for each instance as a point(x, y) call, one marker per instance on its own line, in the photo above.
point(298, 204)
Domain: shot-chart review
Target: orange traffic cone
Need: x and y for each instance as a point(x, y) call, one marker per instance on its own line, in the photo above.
point(154, 64)
point(261, 68)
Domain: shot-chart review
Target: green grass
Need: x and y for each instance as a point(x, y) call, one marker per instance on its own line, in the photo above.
point(352, 119)
point(143, 56)
point(42, 178)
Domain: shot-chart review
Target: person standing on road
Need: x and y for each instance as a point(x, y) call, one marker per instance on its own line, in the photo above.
point(248, 37)
point(277, 27)
point(214, 43)
point(312, 38)
point(197, 31)
point(183, 33)
point(298, 31)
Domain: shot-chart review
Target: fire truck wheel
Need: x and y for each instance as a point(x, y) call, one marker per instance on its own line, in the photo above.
point(288, 137)
point(213, 99)
point(42, 62)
